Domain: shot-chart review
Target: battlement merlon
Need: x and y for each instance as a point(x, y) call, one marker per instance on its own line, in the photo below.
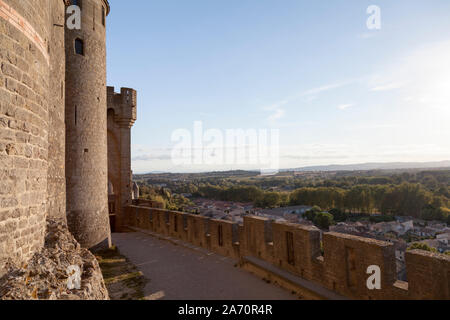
point(106, 2)
point(124, 105)
point(108, 7)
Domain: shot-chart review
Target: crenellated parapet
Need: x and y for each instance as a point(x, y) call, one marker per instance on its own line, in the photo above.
point(124, 105)
point(334, 267)
point(428, 275)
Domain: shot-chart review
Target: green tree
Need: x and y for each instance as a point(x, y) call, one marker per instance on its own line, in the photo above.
point(268, 200)
point(422, 246)
point(323, 220)
point(429, 213)
point(338, 215)
point(159, 199)
point(406, 199)
point(381, 218)
point(311, 214)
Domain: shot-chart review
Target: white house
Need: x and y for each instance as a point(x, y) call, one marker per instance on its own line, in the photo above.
point(443, 238)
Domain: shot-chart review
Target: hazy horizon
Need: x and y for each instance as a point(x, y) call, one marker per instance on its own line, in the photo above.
point(408, 165)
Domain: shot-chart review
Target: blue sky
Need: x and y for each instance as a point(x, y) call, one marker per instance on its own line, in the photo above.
point(336, 91)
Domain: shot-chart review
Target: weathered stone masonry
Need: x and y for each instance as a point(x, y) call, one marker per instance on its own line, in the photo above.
point(25, 31)
point(296, 249)
point(56, 177)
point(53, 125)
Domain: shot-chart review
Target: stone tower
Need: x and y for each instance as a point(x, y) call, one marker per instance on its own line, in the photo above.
point(121, 117)
point(86, 125)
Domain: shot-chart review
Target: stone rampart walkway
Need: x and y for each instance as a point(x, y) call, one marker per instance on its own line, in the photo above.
point(179, 273)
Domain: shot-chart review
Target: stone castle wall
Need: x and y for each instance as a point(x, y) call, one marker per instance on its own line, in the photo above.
point(25, 34)
point(52, 125)
point(342, 269)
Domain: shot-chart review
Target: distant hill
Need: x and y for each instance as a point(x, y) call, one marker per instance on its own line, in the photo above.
point(325, 168)
point(212, 174)
point(376, 166)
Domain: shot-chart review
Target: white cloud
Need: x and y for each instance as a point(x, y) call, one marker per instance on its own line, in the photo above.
point(315, 91)
point(387, 86)
point(367, 35)
point(277, 110)
point(278, 114)
point(345, 106)
point(150, 157)
point(311, 98)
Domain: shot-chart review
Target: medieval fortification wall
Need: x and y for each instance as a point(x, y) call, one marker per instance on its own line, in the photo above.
point(341, 269)
point(53, 125)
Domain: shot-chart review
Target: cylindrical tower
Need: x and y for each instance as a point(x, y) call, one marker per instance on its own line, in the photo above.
point(25, 31)
point(86, 125)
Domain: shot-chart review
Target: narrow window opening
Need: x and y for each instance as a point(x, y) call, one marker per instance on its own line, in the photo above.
point(220, 232)
point(79, 47)
point(77, 3)
point(166, 218)
point(448, 280)
point(290, 248)
point(103, 16)
point(76, 111)
point(93, 17)
point(195, 229)
point(112, 208)
point(351, 266)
